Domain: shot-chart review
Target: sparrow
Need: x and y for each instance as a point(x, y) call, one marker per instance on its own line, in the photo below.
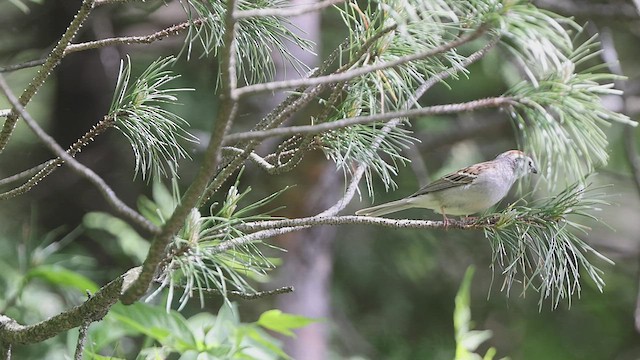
point(466, 191)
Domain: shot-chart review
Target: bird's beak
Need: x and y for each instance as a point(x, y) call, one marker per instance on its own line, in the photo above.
point(534, 170)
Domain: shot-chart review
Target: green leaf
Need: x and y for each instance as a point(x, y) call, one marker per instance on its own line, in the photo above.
point(265, 340)
point(62, 277)
point(129, 240)
point(283, 323)
point(168, 328)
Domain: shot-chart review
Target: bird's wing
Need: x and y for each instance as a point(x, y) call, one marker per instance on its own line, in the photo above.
point(459, 178)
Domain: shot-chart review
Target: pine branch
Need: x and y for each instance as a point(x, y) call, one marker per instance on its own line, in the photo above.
point(352, 74)
point(343, 123)
point(286, 12)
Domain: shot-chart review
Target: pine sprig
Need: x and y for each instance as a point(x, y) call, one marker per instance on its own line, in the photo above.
point(258, 38)
point(154, 133)
point(536, 245)
point(194, 264)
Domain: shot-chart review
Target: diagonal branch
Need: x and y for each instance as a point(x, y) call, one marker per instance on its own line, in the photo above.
point(339, 124)
point(122, 40)
point(43, 170)
point(94, 309)
point(352, 74)
point(76, 166)
point(286, 12)
point(52, 61)
point(23, 174)
point(128, 40)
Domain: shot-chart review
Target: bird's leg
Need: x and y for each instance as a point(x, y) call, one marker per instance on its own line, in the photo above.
point(445, 219)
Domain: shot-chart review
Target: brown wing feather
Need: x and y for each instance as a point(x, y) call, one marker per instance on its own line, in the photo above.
point(455, 179)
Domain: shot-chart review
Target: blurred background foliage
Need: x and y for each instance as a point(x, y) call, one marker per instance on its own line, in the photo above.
point(391, 291)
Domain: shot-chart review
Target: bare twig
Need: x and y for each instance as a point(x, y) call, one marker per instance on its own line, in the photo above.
point(287, 12)
point(24, 65)
point(247, 296)
point(466, 62)
point(253, 157)
point(128, 40)
point(224, 119)
point(351, 74)
point(23, 174)
point(47, 168)
point(82, 339)
point(110, 2)
point(123, 40)
point(339, 124)
point(76, 166)
point(52, 61)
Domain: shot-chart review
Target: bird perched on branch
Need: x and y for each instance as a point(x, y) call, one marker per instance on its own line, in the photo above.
point(466, 191)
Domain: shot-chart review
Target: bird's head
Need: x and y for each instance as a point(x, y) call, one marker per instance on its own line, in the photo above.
point(523, 164)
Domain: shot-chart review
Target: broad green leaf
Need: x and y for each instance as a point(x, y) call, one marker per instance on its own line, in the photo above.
point(63, 277)
point(283, 323)
point(265, 340)
point(168, 328)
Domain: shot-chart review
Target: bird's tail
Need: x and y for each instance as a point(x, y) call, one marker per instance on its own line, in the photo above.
point(385, 208)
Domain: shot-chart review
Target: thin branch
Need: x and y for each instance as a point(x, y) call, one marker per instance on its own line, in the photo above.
point(359, 220)
point(226, 113)
point(76, 166)
point(247, 296)
point(123, 40)
point(351, 74)
point(272, 228)
point(23, 174)
point(465, 63)
point(264, 164)
point(339, 124)
point(110, 2)
point(82, 339)
point(128, 40)
point(287, 12)
point(47, 168)
point(24, 65)
point(52, 61)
